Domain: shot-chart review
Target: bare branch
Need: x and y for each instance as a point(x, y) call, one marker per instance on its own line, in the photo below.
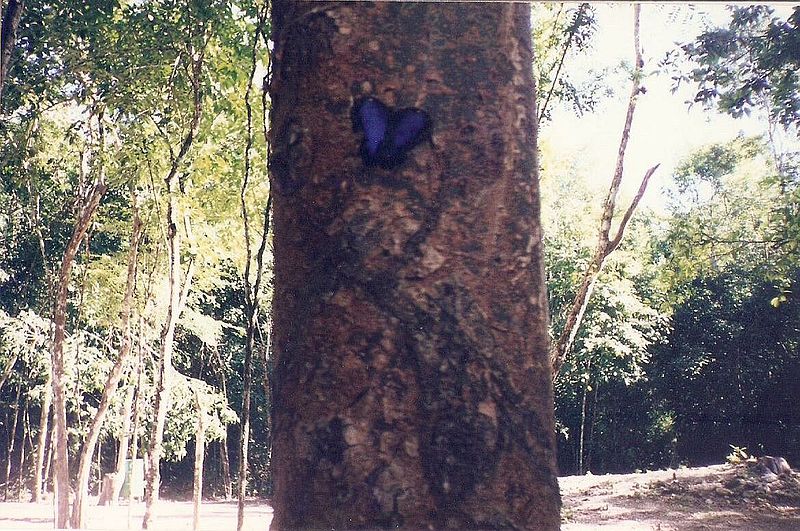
point(563, 344)
point(613, 244)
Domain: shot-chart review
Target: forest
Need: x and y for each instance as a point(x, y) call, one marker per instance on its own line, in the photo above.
point(137, 242)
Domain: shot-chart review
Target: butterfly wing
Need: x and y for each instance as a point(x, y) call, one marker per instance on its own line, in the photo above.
point(409, 128)
point(372, 117)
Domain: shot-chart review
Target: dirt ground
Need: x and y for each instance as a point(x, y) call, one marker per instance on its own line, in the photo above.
point(171, 516)
point(720, 497)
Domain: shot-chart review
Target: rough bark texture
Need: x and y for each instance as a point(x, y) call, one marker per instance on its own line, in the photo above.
point(412, 382)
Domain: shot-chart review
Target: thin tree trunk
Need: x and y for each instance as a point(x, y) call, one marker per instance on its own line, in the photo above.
point(244, 434)
point(251, 288)
point(605, 245)
point(41, 446)
point(161, 405)
point(223, 443)
point(49, 462)
point(163, 381)
point(10, 446)
point(136, 409)
point(114, 376)
point(199, 454)
point(7, 370)
point(226, 466)
point(20, 467)
point(582, 433)
point(412, 384)
point(9, 22)
point(124, 442)
point(60, 457)
point(589, 452)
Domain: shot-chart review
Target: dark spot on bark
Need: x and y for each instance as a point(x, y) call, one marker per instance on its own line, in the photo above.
point(307, 44)
point(281, 170)
point(456, 456)
point(338, 107)
point(329, 443)
point(501, 314)
point(498, 146)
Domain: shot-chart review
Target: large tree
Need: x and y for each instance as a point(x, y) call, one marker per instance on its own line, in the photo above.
point(412, 385)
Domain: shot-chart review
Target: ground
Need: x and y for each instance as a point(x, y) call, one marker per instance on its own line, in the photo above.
point(171, 516)
point(719, 497)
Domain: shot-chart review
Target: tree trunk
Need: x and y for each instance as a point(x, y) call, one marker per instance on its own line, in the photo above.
point(581, 438)
point(199, 454)
point(251, 287)
point(10, 447)
point(244, 433)
point(412, 384)
point(21, 462)
point(177, 295)
point(226, 466)
point(223, 443)
point(163, 383)
point(124, 441)
point(605, 245)
point(60, 458)
point(161, 405)
point(9, 22)
point(41, 445)
point(47, 477)
point(114, 376)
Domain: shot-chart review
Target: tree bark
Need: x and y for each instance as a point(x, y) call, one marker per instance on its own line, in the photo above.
point(412, 383)
point(128, 426)
point(165, 369)
point(177, 294)
point(41, 445)
point(9, 22)
point(21, 462)
point(251, 287)
point(199, 454)
point(10, 447)
point(223, 442)
point(114, 376)
point(605, 244)
point(61, 458)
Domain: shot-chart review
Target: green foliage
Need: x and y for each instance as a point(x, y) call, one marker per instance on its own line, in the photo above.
point(751, 63)
point(738, 455)
point(728, 368)
point(128, 65)
point(562, 32)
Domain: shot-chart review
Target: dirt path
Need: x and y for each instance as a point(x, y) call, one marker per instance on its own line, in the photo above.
point(720, 497)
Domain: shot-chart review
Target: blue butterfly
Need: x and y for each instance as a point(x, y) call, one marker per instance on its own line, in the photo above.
point(389, 134)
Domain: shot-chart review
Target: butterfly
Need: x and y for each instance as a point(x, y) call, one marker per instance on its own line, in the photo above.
point(389, 134)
